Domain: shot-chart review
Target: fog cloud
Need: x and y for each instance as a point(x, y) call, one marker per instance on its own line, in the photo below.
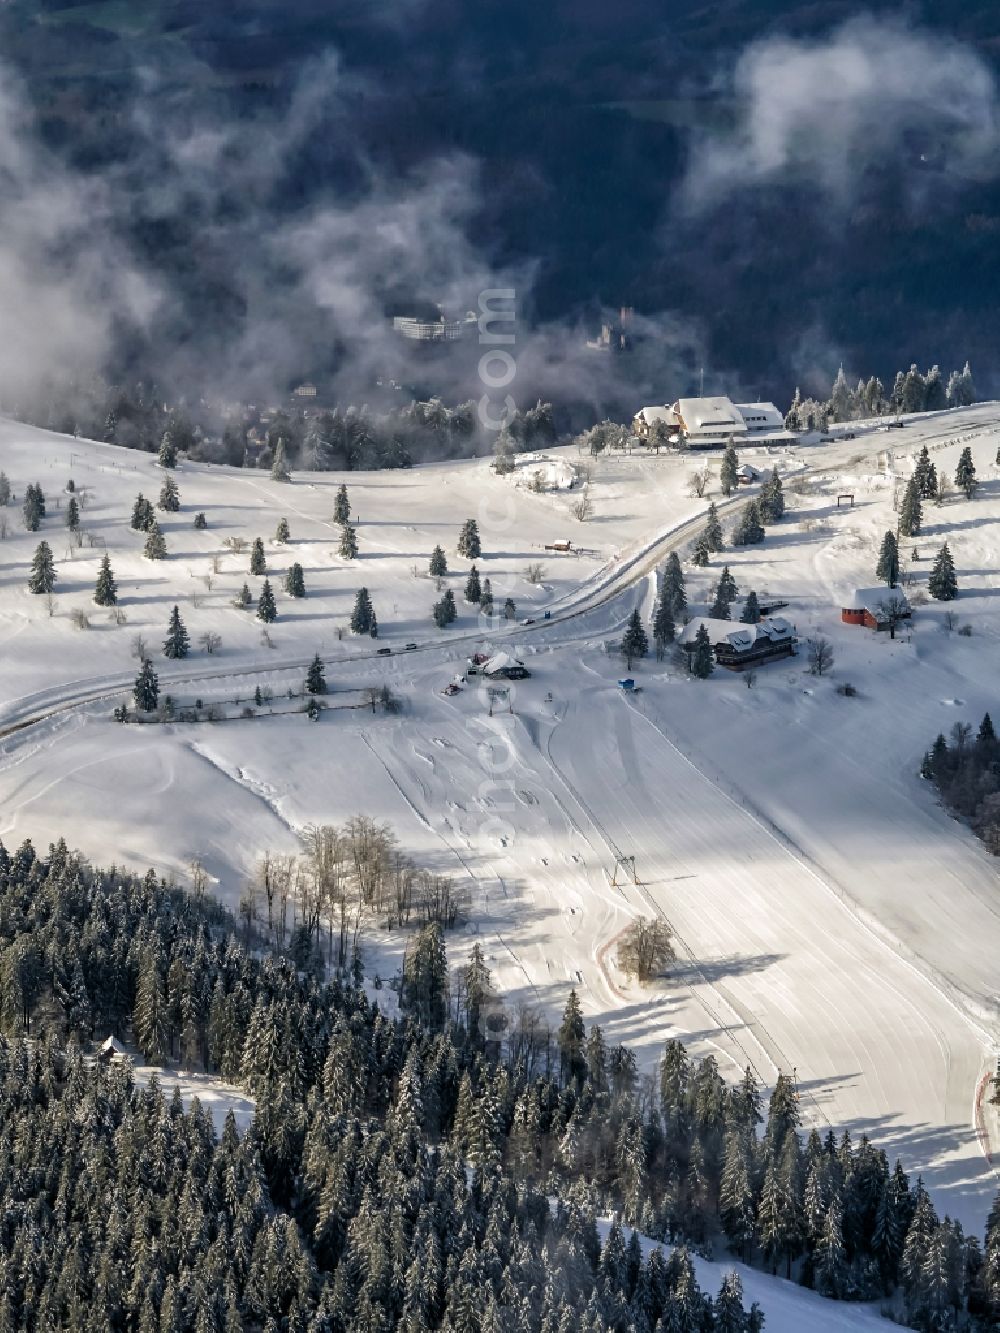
point(825, 111)
point(202, 250)
point(67, 286)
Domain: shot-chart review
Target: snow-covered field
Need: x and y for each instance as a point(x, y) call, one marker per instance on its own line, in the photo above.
point(832, 920)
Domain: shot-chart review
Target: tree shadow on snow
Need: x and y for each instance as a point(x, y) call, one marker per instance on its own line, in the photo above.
point(718, 969)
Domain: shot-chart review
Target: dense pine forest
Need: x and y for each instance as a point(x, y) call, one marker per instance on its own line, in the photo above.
point(347, 438)
point(400, 1172)
point(967, 774)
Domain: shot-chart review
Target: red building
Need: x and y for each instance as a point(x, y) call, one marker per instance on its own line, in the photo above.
point(876, 608)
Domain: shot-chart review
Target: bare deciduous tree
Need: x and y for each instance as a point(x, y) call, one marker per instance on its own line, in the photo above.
point(199, 879)
point(534, 573)
point(892, 610)
point(698, 481)
point(530, 1042)
point(440, 901)
point(646, 949)
point(819, 655)
point(960, 734)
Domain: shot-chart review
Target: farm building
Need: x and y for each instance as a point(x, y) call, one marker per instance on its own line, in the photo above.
point(738, 646)
point(876, 608)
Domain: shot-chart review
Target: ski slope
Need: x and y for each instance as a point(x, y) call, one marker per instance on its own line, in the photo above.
point(831, 920)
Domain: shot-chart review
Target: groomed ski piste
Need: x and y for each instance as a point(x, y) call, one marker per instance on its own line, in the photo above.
point(831, 919)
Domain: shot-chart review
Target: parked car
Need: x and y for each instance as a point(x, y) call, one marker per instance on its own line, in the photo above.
point(385, 652)
point(850, 435)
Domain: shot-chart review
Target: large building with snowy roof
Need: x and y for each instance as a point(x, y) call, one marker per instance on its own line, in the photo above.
point(738, 646)
point(703, 423)
point(710, 421)
point(761, 418)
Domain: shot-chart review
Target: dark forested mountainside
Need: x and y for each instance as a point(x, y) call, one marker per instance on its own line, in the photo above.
point(399, 1172)
point(598, 157)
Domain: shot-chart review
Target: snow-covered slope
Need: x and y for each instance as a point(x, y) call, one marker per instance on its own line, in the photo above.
point(831, 919)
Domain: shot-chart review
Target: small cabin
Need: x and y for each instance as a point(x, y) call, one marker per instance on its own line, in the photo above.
point(876, 608)
point(504, 667)
point(111, 1052)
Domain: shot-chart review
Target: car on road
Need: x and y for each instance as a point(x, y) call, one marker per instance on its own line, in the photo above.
point(411, 647)
point(530, 620)
point(385, 652)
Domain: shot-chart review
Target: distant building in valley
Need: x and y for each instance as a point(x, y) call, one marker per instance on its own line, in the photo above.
point(428, 326)
point(615, 335)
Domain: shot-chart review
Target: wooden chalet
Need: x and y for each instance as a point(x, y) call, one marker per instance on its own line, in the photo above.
point(737, 646)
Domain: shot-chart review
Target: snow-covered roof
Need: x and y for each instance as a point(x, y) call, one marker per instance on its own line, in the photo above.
point(650, 415)
point(111, 1049)
point(741, 638)
point(710, 416)
point(501, 662)
point(761, 416)
point(871, 599)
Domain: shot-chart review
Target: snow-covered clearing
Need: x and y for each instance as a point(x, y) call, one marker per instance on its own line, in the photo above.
point(831, 919)
point(788, 1308)
point(216, 1097)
